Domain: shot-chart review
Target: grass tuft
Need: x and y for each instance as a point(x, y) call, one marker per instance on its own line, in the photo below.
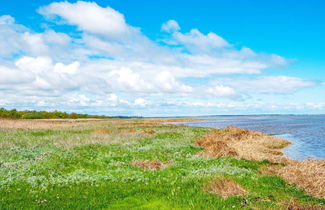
point(225, 187)
point(150, 164)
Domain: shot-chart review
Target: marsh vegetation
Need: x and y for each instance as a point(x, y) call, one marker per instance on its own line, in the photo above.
point(139, 164)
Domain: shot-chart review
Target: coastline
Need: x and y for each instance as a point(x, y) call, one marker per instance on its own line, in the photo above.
point(145, 161)
point(308, 174)
point(305, 132)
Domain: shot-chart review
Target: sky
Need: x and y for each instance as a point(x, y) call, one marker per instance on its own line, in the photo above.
point(163, 58)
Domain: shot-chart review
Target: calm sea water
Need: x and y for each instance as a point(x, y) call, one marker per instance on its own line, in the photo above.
point(307, 132)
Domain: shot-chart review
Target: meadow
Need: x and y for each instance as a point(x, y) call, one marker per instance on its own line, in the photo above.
point(140, 164)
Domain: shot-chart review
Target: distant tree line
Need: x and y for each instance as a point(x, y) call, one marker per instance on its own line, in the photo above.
point(14, 114)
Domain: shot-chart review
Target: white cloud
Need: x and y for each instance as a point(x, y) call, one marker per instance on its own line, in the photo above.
point(88, 16)
point(16, 39)
point(194, 40)
point(167, 82)
point(110, 63)
point(34, 65)
point(35, 43)
point(7, 19)
point(126, 79)
point(11, 77)
point(221, 91)
point(68, 69)
point(56, 38)
point(141, 102)
point(80, 99)
point(170, 26)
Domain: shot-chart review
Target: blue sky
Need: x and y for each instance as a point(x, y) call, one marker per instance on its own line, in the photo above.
point(162, 58)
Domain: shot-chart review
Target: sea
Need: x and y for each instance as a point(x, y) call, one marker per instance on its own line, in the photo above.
point(306, 132)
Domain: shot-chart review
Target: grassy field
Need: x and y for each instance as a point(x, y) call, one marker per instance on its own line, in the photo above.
point(130, 163)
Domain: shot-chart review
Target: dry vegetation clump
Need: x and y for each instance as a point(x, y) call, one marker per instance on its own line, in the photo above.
point(308, 175)
point(150, 164)
point(217, 149)
point(149, 131)
point(293, 205)
point(225, 187)
point(132, 130)
point(240, 143)
point(102, 131)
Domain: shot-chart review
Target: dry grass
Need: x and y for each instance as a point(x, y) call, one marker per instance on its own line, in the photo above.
point(225, 188)
point(150, 164)
point(308, 175)
point(244, 144)
point(128, 131)
point(59, 123)
point(102, 131)
point(38, 124)
point(149, 131)
point(294, 205)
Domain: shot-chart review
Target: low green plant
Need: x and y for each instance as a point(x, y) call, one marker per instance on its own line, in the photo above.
point(37, 172)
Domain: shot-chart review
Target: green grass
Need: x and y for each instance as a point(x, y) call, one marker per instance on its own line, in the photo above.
point(39, 171)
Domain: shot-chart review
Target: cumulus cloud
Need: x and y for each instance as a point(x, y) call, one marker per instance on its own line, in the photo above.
point(170, 26)
point(88, 16)
point(109, 63)
point(194, 40)
point(221, 91)
point(11, 77)
point(141, 102)
point(16, 40)
point(6, 19)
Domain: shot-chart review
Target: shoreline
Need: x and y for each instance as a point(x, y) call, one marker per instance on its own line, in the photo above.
point(308, 174)
point(149, 159)
point(306, 139)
